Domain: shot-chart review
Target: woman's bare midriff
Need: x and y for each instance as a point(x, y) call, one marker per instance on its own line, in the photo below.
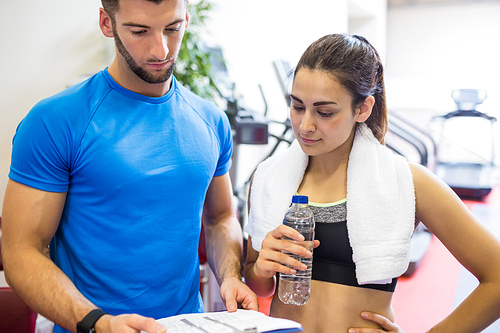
point(335, 308)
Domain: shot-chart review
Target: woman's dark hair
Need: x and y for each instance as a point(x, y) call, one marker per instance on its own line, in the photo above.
point(356, 65)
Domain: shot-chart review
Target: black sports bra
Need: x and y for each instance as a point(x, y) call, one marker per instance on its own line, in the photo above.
point(332, 260)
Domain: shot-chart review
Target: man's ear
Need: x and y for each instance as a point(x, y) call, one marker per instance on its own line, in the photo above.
point(365, 109)
point(187, 14)
point(105, 23)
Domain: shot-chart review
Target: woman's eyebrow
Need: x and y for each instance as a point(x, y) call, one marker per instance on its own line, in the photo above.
point(314, 104)
point(296, 98)
point(323, 103)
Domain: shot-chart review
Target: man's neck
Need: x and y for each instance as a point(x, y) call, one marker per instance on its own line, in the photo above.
point(128, 80)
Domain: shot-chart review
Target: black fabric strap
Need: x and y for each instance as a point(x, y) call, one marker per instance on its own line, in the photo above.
point(87, 323)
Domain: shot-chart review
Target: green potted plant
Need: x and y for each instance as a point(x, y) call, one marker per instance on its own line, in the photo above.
point(194, 69)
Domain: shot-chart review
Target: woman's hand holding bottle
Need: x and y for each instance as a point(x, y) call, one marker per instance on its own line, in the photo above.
point(271, 258)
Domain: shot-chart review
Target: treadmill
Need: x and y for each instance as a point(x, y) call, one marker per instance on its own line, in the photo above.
point(468, 173)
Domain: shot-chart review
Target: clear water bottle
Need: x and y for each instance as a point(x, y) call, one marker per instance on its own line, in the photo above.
point(295, 289)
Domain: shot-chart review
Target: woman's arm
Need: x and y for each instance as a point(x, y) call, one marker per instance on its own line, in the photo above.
point(445, 215)
point(263, 286)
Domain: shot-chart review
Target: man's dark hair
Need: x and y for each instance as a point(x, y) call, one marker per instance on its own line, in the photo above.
point(112, 6)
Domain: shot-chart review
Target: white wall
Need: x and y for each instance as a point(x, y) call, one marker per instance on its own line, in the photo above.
point(368, 18)
point(433, 49)
point(254, 33)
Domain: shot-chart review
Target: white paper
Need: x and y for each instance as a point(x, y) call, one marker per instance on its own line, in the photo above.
point(222, 322)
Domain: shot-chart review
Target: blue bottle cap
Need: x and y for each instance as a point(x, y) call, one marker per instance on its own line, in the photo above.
point(300, 199)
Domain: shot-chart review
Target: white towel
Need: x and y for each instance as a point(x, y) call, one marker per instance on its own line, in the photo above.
point(380, 204)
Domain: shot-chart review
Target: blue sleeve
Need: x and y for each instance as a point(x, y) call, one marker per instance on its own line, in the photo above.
point(226, 142)
point(40, 151)
point(218, 121)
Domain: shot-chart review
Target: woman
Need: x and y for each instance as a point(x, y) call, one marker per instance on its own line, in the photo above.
point(366, 200)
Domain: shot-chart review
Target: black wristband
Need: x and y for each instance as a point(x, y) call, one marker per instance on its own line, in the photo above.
point(87, 323)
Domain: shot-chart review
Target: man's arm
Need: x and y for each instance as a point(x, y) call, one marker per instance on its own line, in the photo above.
point(224, 245)
point(30, 219)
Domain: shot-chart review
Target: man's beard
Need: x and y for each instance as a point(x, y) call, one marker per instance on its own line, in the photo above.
point(136, 69)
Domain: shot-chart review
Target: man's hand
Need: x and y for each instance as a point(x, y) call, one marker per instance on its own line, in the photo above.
point(128, 323)
point(235, 293)
point(386, 324)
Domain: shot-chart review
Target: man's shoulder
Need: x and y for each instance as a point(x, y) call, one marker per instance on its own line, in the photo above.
point(196, 102)
point(70, 109)
point(85, 94)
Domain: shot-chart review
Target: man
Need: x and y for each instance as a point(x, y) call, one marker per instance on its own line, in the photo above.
point(115, 174)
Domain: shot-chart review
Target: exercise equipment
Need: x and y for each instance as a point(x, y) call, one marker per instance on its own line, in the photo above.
point(468, 171)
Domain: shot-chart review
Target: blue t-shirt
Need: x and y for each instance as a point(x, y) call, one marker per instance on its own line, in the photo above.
point(136, 170)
